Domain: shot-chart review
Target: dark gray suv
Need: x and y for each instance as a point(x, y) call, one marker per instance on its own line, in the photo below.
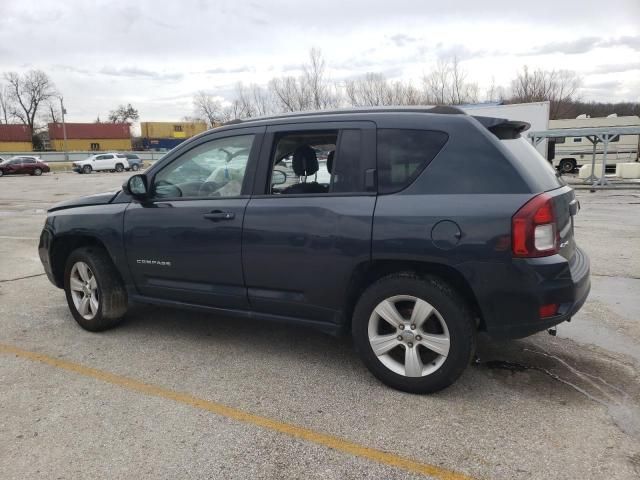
point(412, 229)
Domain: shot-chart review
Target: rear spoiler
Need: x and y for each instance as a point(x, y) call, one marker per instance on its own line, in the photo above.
point(502, 128)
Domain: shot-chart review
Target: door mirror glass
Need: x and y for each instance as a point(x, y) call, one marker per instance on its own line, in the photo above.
point(136, 186)
point(278, 177)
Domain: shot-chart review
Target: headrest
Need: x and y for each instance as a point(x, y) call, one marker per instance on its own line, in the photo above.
point(330, 161)
point(305, 161)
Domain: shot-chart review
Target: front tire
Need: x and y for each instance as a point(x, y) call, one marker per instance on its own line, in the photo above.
point(135, 167)
point(86, 169)
point(95, 293)
point(37, 172)
point(414, 334)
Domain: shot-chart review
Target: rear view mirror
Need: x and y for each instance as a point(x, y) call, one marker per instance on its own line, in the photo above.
point(136, 186)
point(278, 177)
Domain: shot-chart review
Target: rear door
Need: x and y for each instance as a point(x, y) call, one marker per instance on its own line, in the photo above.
point(301, 249)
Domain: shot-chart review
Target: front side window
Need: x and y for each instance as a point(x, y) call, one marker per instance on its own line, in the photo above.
point(403, 154)
point(212, 169)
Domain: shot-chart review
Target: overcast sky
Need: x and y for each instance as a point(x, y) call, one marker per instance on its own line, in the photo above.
point(157, 53)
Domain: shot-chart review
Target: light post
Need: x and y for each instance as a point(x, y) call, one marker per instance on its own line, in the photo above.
point(64, 131)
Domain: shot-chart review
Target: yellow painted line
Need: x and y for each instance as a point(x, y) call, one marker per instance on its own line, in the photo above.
point(289, 429)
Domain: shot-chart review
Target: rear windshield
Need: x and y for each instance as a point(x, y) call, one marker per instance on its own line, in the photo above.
point(533, 164)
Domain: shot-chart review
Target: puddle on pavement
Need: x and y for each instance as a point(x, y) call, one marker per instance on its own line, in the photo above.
point(622, 406)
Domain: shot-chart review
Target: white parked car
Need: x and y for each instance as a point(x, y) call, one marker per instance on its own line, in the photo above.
point(100, 162)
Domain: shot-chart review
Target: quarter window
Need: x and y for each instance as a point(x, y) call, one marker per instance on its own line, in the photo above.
point(213, 169)
point(403, 154)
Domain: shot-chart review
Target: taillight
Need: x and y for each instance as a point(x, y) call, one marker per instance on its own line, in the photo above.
point(533, 229)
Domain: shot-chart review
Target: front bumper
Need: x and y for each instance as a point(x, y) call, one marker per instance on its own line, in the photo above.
point(44, 251)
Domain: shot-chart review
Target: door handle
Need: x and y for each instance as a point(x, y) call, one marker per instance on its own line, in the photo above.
point(219, 215)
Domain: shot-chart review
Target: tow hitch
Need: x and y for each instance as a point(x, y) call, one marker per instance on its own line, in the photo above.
point(552, 331)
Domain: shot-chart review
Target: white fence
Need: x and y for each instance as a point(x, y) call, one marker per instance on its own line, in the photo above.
point(50, 157)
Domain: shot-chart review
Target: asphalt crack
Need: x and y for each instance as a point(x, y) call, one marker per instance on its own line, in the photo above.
point(21, 278)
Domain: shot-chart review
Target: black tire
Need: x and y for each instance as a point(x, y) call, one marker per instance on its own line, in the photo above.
point(112, 297)
point(119, 168)
point(86, 169)
point(37, 172)
point(135, 167)
point(567, 165)
point(1, 173)
point(454, 312)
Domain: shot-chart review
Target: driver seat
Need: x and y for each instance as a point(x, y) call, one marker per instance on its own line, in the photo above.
point(305, 163)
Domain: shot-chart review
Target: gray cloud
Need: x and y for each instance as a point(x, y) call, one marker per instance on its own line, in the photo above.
point(136, 72)
point(616, 67)
point(402, 39)
point(220, 70)
point(586, 44)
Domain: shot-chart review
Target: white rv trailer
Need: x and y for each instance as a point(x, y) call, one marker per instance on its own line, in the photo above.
point(535, 113)
point(572, 152)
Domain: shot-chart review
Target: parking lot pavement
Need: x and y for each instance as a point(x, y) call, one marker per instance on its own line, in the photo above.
point(164, 394)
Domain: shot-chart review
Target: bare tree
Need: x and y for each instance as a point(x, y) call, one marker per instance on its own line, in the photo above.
point(317, 86)
point(5, 104)
point(27, 93)
point(208, 108)
point(559, 87)
point(447, 84)
point(124, 114)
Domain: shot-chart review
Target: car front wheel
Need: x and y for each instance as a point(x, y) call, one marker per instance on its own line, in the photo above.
point(135, 167)
point(414, 334)
point(37, 172)
point(86, 169)
point(95, 294)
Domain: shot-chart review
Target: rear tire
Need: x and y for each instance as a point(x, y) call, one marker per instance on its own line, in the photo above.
point(135, 167)
point(95, 293)
point(119, 168)
point(567, 165)
point(428, 315)
point(86, 169)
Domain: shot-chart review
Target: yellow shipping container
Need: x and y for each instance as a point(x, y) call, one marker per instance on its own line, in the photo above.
point(16, 147)
point(96, 144)
point(171, 129)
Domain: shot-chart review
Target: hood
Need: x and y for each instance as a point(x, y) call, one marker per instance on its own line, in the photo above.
point(95, 199)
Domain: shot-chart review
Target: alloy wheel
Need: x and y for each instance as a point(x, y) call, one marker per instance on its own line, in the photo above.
point(84, 290)
point(409, 336)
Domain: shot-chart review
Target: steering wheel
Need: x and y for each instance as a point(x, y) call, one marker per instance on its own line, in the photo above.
point(208, 189)
point(168, 186)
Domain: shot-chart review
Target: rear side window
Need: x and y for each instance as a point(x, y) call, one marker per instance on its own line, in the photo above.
point(403, 154)
point(534, 164)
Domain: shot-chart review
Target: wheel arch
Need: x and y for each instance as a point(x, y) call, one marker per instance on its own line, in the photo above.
point(63, 245)
point(367, 273)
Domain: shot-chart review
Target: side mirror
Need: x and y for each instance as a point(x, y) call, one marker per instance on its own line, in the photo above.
point(136, 186)
point(278, 177)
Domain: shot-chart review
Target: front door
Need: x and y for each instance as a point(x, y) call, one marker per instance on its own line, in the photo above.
point(308, 225)
point(184, 243)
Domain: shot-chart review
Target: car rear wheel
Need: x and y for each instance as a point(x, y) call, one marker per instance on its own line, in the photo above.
point(119, 168)
point(135, 167)
point(414, 334)
point(567, 165)
point(1, 173)
point(37, 172)
point(86, 169)
point(95, 294)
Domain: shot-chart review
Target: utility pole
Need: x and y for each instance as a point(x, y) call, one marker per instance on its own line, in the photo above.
point(64, 131)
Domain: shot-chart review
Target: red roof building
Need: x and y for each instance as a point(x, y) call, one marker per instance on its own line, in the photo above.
point(15, 133)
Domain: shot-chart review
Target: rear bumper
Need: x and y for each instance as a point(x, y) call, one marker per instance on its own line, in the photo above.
point(512, 311)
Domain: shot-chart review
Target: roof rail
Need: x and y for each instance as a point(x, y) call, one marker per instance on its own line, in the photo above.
point(440, 109)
